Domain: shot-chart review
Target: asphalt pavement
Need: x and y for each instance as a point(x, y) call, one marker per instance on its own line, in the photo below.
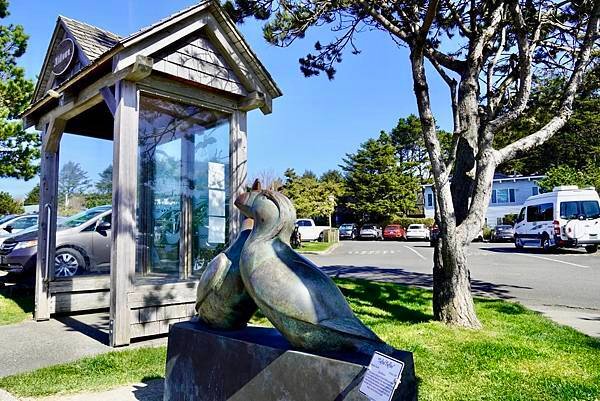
point(564, 285)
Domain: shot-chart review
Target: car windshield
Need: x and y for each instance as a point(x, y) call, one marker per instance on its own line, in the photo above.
point(82, 217)
point(346, 226)
point(393, 227)
point(368, 227)
point(587, 209)
point(503, 227)
point(415, 226)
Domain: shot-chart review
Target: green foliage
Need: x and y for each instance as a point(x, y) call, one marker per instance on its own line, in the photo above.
point(8, 205)
point(104, 184)
point(510, 218)
point(407, 138)
point(18, 148)
point(312, 197)
point(97, 199)
point(377, 183)
point(33, 196)
point(567, 175)
point(576, 145)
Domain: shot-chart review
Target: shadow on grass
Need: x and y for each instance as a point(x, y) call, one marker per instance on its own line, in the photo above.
point(23, 298)
point(391, 299)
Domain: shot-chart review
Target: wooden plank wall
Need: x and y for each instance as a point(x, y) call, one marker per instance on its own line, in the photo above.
point(199, 61)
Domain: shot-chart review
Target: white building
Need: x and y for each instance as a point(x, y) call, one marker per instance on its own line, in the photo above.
point(508, 195)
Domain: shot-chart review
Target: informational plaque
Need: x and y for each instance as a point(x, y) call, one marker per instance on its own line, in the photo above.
point(216, 176)
point(382, 377)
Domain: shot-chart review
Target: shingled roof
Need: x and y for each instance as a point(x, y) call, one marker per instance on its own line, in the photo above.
point(94, 41)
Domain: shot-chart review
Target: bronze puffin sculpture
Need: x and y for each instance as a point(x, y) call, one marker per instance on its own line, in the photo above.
point(302, 302)
point(222, 301)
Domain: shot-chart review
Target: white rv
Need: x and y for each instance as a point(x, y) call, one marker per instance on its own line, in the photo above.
point(567, 217)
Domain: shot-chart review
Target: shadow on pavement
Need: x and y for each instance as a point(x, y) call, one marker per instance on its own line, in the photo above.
point(424, 280)
point(94, 326)
point(152, 391)
point(560, 251)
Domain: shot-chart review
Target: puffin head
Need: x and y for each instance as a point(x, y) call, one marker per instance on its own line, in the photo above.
point(274, 214)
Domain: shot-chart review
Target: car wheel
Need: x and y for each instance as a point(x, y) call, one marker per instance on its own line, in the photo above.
point(68, 263)
point(545, 242)
point(518, 242)
point(591, 248)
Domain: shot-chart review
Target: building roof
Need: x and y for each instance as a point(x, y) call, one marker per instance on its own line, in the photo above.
point(500, 177)
point(93, 41)
point(97, 44)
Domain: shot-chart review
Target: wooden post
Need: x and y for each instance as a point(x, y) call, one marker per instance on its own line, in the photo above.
point(123, 247)
point(48, 208)
point(238, 165)
point(186, 220)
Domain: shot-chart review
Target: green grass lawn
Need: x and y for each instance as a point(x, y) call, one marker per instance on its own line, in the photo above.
point(519, 355)
point(315, 246)
point(15, 309)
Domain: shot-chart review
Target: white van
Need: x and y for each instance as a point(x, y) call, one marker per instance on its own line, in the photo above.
point(567, 217)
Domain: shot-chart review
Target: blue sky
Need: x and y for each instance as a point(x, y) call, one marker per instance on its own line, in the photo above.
point(312, 126)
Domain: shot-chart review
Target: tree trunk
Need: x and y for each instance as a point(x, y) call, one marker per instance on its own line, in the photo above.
point(452, 299)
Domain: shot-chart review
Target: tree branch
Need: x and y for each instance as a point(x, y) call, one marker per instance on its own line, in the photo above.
point(566, 108)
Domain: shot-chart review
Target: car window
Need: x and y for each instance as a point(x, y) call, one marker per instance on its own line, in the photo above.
point(368, 227)
point(346, 226)
point(521, 215)
point(588, 209)
point(82, 217)
point(543, 212)
point(23, 223)
point(303, 223)
point(415, 226)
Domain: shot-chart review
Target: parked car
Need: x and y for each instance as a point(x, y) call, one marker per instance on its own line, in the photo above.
point(434, 235)
point(394, 232)
point(371, 231)
point(13, 224)
point(309, 231)
point(82, 246)
point(567, 217)
point(417, 231)
point(503, 232)
point(348, 231)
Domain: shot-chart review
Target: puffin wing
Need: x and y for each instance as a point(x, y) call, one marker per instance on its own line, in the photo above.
point(352, 326)
point(212, 278)
point(294, 286)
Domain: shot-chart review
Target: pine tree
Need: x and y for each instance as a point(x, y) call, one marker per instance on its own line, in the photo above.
point(19, 149)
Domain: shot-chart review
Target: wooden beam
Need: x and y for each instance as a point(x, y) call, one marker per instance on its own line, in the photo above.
point(46, 247)
point(52, 135)
point(238, 160)
point(123, 247)
point(91, 95)
point(180, 92)
point(109, 99)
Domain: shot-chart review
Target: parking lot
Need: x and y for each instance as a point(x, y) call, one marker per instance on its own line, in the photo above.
point(564, 284)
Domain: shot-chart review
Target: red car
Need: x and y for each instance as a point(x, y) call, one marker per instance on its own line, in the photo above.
point(394, 231)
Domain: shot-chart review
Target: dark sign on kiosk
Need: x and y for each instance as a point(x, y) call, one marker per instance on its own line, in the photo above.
point(65, 52)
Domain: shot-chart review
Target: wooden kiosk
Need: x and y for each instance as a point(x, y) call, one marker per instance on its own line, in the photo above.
point(173, 98)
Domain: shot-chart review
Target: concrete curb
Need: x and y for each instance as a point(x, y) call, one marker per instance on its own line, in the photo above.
point(325, 252)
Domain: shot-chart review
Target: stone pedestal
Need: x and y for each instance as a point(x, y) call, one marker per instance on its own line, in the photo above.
point(258, 364)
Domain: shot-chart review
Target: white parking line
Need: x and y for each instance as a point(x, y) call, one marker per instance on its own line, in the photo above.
point(552, 260)
point(415, 252)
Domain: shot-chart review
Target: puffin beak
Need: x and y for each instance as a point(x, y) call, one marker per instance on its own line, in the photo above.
point(243, 202)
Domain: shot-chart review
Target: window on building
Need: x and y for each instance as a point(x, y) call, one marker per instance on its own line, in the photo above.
point(535, 190)
point(429, 200)
point(506, 195)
